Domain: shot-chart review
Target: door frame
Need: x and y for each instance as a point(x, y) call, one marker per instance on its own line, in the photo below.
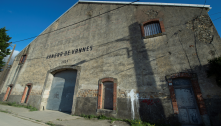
point(196, 107)
point(26, 93)
point(8, 92)
point(48, 83)
point(195, 87)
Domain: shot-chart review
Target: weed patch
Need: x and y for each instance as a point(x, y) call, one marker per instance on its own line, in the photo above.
point(50, 123)
point(4, 111)
point(14, 104)
point(131, 122)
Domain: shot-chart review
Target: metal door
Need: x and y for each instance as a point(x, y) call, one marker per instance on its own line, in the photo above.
point(188, 111)
point(62, 91)
point(108, 95)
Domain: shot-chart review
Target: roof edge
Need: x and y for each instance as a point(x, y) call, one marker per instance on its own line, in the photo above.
point(147, 3)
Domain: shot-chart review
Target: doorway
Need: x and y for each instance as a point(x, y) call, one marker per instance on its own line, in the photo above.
point(187, 106)
point(26, 93)
point(7, 94)
point(62, 91)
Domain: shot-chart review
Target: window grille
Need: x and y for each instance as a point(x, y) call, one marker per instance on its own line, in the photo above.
point(152, 29)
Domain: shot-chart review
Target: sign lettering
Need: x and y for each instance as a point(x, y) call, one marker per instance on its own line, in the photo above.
point(69, 52)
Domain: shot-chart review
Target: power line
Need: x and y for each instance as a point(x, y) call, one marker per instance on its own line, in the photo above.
point(214, 13)
point(217, 18)
point(91, 18)
point(203, 7)
point(76, 22)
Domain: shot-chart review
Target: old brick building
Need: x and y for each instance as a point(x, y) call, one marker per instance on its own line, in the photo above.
point(126, 60)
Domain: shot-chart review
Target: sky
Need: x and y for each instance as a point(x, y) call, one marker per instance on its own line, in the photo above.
point(28, 18)
point(12, 58)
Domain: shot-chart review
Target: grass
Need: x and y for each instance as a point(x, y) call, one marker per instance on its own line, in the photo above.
point(50, 123)
point(131, 122)
point(14, 104)
point(4, 111)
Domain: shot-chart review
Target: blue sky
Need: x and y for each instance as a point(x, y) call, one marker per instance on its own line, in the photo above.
point(28, 18)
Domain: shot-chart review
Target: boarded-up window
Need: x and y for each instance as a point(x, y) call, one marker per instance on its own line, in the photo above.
point(108, 95)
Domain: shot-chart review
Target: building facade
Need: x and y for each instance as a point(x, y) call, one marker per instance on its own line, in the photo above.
point(126, 60)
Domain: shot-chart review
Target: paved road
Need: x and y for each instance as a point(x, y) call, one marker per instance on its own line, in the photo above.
point(10, 120)
point(55, 117)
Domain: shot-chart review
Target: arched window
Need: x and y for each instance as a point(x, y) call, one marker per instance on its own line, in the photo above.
point(152, 28)
point(107, 94)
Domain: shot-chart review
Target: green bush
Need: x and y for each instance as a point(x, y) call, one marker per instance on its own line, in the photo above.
point(215, 69)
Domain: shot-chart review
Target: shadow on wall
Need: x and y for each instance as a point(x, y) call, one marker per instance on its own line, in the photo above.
point(147, 108)
point(212, 102)
point(151, 107)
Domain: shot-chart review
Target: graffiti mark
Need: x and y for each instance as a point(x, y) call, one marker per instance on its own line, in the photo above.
point(149, 102)
point(56, 95)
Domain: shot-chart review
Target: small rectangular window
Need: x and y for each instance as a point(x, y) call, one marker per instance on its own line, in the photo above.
point(152, 29)
point(23, 58)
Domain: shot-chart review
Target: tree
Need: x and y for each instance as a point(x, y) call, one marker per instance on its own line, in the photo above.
point(215, 69)
point(4, 44)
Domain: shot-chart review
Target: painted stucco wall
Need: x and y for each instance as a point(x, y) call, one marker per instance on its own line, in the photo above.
point(117, 49)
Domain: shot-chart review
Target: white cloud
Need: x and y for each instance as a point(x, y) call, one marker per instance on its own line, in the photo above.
point(15, 53)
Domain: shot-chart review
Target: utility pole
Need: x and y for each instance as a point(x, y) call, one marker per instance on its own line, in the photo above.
point(4, 72)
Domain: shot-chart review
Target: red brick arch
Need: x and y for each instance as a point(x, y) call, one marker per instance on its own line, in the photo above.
point(196, 90)
point(100, 91)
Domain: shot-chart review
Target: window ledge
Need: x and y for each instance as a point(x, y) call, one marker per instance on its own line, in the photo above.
point(106, 111)
point(156, 35)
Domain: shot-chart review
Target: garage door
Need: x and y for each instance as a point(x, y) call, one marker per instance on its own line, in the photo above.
point(62, 91)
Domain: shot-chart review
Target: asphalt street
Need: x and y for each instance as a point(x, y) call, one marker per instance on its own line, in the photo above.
point(10, 120)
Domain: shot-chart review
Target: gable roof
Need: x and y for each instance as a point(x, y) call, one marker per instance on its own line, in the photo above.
point(134, 3)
